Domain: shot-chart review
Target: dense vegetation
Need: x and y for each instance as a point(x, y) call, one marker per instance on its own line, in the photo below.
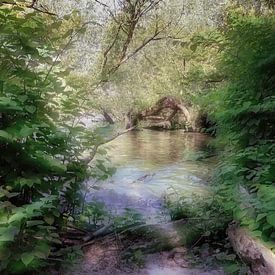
point(40, 167)
point(245, 117)
point(226, 70)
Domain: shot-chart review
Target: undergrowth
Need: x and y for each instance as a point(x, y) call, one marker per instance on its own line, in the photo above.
point(206, 215)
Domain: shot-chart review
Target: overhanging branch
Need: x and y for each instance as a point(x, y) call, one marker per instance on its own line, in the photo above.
point(93, 153)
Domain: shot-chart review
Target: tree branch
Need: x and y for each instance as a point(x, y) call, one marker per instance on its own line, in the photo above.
point(105, 54)
point(93, 153)
point(133, 11)
point(154, 37)
point(32, 5)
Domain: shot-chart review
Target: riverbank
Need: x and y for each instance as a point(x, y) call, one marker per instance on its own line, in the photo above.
point(152, 167)
point(104, 257)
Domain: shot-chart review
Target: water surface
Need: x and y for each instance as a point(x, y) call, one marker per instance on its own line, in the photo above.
point(150, 165)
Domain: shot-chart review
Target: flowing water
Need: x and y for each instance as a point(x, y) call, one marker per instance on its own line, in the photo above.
point(150, 165)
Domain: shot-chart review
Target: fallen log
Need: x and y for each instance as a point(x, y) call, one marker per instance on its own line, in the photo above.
point(251, 250)
point(103, 231)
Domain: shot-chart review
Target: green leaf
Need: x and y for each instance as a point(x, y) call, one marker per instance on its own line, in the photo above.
point(270, 218)
point(27, 258)
point(232, 268)
point(6, 104)
point(25, 131)
point(28, 182)
point(47, 162)
point(7, 234)
point(256, 233)
point(42, 250)
point(17, 217)
point(5, 136)
point(3, 219)
point(31, 109)
point(49, 220)
point(34, 222)
point(22, 98)
point(260, 216)
point(267, 226)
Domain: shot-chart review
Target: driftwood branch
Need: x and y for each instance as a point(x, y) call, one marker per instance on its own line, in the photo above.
point(154, 114)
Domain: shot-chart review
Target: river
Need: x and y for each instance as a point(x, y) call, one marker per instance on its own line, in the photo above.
point(151, 165)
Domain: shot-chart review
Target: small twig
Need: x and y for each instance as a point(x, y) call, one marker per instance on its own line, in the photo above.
point(55, 259)
point(87, 243)
point(76, 228)
point(199, 239)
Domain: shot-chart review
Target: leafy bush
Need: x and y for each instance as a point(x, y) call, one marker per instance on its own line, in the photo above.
point(95, 212)
point(206, 213)
point(129, 218)
point(246, 121)
point(40, 172)
point(207, 216)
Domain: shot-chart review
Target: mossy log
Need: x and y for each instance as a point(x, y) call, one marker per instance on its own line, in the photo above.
point(251, 250)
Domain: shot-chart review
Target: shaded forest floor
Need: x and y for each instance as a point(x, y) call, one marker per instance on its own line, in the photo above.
point(112, 255)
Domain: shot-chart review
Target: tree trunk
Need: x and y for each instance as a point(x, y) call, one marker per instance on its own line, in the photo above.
point(131, 120)
point(108, 117)
point(251, 250)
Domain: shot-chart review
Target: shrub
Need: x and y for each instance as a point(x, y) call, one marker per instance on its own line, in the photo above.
point(40, 173)
point(246, 121)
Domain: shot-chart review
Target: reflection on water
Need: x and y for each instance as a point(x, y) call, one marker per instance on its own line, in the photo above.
point(155, 147)
point(149, 165)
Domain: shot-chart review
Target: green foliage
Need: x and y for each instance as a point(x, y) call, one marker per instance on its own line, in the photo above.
point(246, 126)
point(40, 170)
point(95, 212)
point(207, 216)
point(207, 212)
point(128, 219)
point(43, 141)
